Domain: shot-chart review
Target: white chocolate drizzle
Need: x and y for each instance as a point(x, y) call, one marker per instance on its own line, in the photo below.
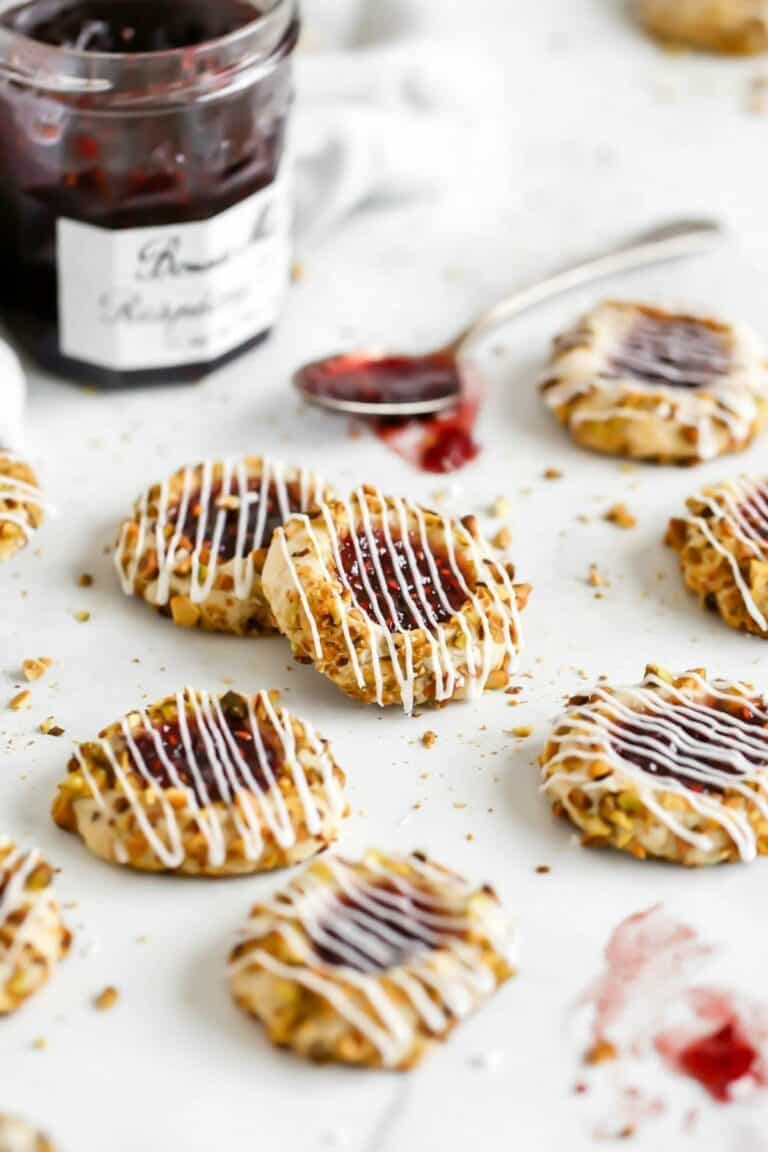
point(364, 513)
point(253, 806)
point(198, 485)
point(20, 492)
point(367, 938)
point(728, 399)
point(16, 867)
point(741, 506)
point(682, 736)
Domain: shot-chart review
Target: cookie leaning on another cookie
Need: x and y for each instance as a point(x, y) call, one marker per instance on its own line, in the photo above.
point(393, 603)
point(723, 548)
point(674, 768)
point(33, 938)
point(735, 27)
point(196, 544)
point(370, 962)
point(204, 785)
point(633, 381)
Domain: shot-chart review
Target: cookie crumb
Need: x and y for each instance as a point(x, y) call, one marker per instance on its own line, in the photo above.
point(34, 668)
point(503, 538)
point(40, 1044)
point(49, 727)
point(595, 578)
point(621, 516)
point(298, 272)
point(543, 869)
point(106, 999)
point(501, 508)
point(552, 474)
point(82, 617)
point(601, 1053)
point(429, 739)
point(85, 580)
point(21, 700)
point(522, 731)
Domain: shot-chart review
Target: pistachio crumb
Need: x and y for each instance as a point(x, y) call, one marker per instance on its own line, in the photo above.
point(621, 516)
point(34, 668)
point(106, 999)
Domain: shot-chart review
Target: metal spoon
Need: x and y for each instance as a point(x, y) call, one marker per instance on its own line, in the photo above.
point(376, 383)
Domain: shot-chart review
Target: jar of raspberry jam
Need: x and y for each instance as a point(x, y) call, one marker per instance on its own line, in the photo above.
point(144, 200)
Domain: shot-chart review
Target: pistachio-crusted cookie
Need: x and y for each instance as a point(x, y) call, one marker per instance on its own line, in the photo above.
point(22, 509)
point(196, 544)
point(634, 381)
point(675, 768)
point(33, 937)
point(16, 1136)
point(393, 603)
point(737, 27)
point(723, 547)
point(370, 962)
point(205, 785)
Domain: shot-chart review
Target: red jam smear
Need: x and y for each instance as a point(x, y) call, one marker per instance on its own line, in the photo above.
point(719, 1061)
point(235, 710)
point(70, 156)
point(682, 353)
point(630, 735)
point(442, 442)
point(382, 906)
point(129, 25)
point(228, 542)
point(394, 609)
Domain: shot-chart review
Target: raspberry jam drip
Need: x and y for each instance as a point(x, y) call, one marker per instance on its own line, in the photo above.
point(177, 751)
point(441, 442)
point(376, 927)
point(718, 1061)
point(128, 26)
point(228, 543)
point(655, 754)
point(678, 353)
point(366, 558)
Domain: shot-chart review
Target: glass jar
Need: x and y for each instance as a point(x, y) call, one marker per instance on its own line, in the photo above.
point(144, 199)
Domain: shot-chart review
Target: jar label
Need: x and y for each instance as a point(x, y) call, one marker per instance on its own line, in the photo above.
point(143, 298)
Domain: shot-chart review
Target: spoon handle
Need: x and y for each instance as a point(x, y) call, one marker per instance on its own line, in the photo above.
point(671, 241)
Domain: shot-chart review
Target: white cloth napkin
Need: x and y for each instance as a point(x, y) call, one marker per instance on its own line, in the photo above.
point(372, 87)
point(13, 390)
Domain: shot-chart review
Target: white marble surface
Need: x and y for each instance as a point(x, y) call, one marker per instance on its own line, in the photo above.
point(570, 131)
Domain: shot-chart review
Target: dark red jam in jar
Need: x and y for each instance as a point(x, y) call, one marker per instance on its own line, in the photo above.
point(144, 203)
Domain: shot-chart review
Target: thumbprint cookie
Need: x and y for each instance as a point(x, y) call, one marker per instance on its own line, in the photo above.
point(393, 603)
point(674, 768)
point(634, 381)
point(204, 785)
point(196, 544)
point(16, 1136)
point(33, 938)
point(22, 509)
point(736, 27)
point(370, 962)
point(723, 547)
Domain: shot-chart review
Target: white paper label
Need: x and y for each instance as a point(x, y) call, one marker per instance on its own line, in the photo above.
point(143, 298)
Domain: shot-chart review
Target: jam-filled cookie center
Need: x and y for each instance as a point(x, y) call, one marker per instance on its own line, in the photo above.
point(679, 353)
point(129, 26)
point(375, 926)
point(196, 759)
point(697, 748)
point(409, 585)
point(239, 533)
